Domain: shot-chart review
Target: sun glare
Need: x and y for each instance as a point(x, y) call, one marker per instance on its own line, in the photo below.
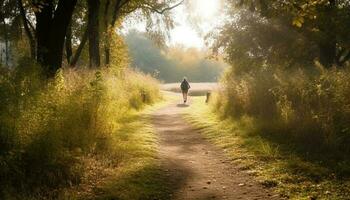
point(206, 9)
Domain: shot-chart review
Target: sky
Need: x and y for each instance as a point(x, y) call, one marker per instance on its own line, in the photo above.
point(193, 20)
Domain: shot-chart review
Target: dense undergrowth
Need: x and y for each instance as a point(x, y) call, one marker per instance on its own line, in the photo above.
point(135, 173)
point(284, 165)
point(49, 128)
point(311, 108)
point(294, 124)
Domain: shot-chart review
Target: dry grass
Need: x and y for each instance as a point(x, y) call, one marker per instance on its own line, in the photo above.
point(137, 173)
point(311, 108)
point(282, 165)
point(54, 134)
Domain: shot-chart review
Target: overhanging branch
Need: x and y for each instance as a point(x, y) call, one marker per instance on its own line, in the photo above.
point(162, 11)
point(28, 27)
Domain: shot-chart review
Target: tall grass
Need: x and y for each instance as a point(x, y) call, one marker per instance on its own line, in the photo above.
point(48, 127)
point(311, 108)
point(289, 128)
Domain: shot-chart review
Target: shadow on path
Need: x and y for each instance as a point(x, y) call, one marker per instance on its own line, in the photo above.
point(182, 105)
point(197, 169)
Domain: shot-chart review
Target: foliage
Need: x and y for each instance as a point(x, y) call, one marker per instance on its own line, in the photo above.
point(49, 26)
point(312, 109)
point(276, 77)
point(321, 25)
point(173, 63)
point(251, 42)
point(274, 160)
point(47, 128)
point(120, 57)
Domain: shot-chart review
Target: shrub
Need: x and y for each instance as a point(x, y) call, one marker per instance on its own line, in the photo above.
point(46, 127)
point(309, 106)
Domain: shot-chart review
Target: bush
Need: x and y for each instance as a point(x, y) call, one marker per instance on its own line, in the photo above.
point(46, 127)
point(311, 107)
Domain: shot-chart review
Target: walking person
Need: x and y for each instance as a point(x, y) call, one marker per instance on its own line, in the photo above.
point(185, 86)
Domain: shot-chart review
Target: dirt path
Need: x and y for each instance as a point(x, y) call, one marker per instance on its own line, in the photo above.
point(196, 169)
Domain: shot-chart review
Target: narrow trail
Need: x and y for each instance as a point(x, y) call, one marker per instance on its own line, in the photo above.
point(197, 169)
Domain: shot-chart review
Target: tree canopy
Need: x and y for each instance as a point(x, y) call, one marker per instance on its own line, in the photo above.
point(288, 31)
point(52, 26)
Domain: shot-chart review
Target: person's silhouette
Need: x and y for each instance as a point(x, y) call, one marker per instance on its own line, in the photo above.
point(185, 86)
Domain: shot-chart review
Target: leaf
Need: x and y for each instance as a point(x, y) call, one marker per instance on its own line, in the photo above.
point(298, 22)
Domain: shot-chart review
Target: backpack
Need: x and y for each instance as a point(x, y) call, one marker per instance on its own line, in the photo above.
point(184, 85)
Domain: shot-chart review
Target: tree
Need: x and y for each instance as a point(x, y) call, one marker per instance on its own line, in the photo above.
point(52, 22)
point(28, 28)
point(77, 34)
point(172, 63)
point(9, 29)
point(325, 23)
point(94, 32)
point(251, 41)
point(117, 9)
point(51, 25)
point(109, 12)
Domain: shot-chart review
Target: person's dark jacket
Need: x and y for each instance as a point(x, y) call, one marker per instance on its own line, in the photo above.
point(185, 86)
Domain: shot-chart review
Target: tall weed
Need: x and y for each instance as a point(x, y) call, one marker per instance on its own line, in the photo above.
point(310, 107)
point(47, 127)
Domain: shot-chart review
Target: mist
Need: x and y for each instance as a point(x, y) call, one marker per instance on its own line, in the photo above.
point(171, 64)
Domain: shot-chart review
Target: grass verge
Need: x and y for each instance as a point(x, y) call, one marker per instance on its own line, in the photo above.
point(73, 132)
point(136, 175)
point(275, 164)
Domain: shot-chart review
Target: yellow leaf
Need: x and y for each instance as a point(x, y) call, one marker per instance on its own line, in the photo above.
point(298, 22)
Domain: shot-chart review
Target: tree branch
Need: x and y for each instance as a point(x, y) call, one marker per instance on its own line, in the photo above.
point(116, 11)
point(76, 56)
point(106, 14)
point(26, 25)
point(164, 9)
point(68, 43)
point(345, 58)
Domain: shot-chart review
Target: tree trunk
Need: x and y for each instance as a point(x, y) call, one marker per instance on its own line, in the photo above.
point(327, 44)
point(80, 49)
point(68, 44)
point(28, 32)
point(107, 37)
point(5, 32)
point(116, 11)
point(328, 53)
point(43, 24)
point(94, 36)
point(51, 32)
point(107, 54)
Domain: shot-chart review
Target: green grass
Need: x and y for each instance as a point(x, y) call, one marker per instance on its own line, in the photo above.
point(65, 138)
point(140, 176)
point(276, 162)
point(136, 174)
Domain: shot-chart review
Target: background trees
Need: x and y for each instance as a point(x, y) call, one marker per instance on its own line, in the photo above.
point(321, 26)
point(52, 26)
point(53, 118)
point(173, 63)
point(9, 29)
point(288, 86)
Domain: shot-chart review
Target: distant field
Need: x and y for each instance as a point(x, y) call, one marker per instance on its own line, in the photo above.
point(197, 89)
